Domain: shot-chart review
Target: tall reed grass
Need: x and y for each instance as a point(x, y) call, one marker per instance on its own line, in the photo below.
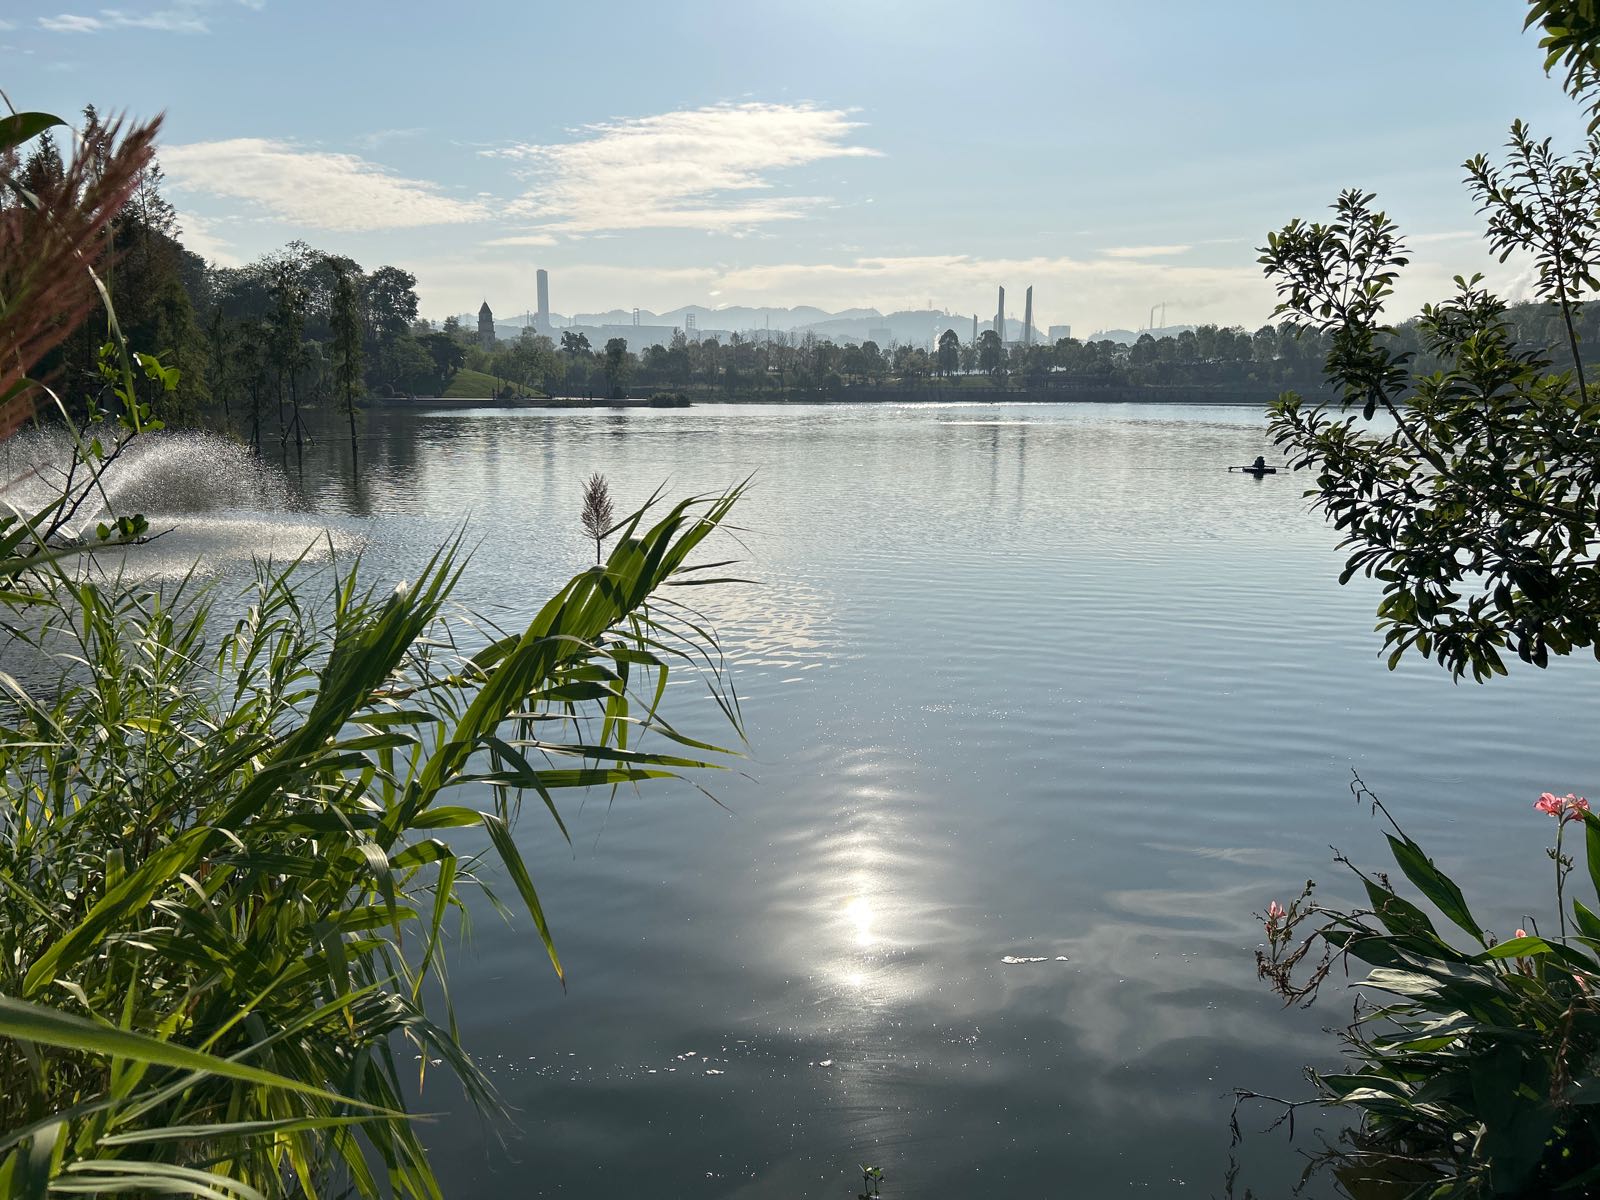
point(238, 833)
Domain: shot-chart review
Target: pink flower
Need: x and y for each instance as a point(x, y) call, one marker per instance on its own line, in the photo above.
point(1275, 913)
point(1563, 808)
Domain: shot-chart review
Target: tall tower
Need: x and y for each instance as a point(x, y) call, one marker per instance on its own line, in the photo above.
point(1027, 318)
point(486, 327)
point(1000, 317)
point(543, 322)
point(974, 329)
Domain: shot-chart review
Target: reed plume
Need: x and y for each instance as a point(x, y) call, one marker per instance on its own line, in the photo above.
point(597, 512)
point(55, 243)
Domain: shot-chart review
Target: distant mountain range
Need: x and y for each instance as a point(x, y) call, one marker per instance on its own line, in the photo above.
point(917, 326)
point(920, 327)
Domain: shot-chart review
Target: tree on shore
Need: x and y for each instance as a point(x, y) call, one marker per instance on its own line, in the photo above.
point(991, 354)
point(949, 359)
point(616, 366)
point(346, 322)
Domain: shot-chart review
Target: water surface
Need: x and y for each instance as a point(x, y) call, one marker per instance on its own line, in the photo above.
point(1036, 683)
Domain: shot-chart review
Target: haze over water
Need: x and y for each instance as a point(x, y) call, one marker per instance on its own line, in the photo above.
point(1039, 683)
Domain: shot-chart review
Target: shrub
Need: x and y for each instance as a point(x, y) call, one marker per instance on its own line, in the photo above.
point(225, 855)
point(1478, 1072)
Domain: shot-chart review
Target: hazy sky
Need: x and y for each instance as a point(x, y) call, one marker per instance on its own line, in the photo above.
point(862, 153)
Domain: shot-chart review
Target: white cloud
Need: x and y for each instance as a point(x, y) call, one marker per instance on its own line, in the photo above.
point(371, 141)
point(314, 189)
point(180, 16)
point(200, 235)
point(72, 23)
point(1146, 251)
point(183, 19)
point(1454, 235)
point(7, 26)
point(691, 169)
point(523, 239)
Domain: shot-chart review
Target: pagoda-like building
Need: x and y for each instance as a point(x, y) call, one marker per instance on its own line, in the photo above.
point(486, 327)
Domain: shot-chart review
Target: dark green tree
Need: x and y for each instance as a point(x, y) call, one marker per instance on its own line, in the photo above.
point(991, 354)
point(949, 360)
point(618, 363)
point(1474, 501)
point(347, 323)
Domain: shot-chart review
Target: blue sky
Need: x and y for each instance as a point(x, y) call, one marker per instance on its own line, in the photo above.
point(872, 153)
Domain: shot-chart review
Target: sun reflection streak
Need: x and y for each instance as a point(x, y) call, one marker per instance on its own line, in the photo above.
point(859, 912)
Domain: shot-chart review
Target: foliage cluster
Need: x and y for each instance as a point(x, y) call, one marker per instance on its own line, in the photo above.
point(1461, 469)
point(238, 834)
point(1477, 1072)
point(1469, 490)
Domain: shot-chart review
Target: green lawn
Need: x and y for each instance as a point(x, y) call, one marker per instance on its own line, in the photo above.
point(475, 385)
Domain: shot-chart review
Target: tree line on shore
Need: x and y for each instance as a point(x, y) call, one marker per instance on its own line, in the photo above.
point(258, 345)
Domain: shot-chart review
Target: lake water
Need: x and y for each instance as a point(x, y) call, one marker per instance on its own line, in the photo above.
point(1038, 682)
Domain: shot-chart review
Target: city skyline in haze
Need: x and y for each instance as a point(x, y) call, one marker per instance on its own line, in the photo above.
point(821, 154)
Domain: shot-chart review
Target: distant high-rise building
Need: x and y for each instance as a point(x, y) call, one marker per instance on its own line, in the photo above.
point(1057, 332)
point(1000, 317)
point(486, 327)
point(974, 329)
point(543, 322)
point(1027, 318)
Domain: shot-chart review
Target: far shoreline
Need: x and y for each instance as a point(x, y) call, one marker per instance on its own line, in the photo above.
point(933, 397)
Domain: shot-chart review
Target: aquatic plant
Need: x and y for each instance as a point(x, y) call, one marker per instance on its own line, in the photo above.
point(225, 856)
point(52, 247)
point(238, 833)
point(1473, 1062)
point(597, 511)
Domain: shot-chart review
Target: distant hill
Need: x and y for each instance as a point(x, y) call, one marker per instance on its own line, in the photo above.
point(1127, 337)
point(918, 327)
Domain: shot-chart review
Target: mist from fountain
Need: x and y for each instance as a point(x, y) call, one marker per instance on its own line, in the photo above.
point(212, 500)
point(167, 473)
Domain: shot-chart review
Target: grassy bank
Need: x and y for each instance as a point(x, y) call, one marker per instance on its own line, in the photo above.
point(475, 385)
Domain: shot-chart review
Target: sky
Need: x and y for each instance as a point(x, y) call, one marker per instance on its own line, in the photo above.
point(869, 153)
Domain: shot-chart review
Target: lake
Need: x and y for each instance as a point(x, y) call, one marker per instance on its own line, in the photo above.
point(1031, 682)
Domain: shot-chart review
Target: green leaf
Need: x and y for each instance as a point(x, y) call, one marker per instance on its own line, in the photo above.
point(1591, 845)
point(23, 127)
point(500, 835)
point(1433, 883)
point(1519, 947)
point(50, 1027)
